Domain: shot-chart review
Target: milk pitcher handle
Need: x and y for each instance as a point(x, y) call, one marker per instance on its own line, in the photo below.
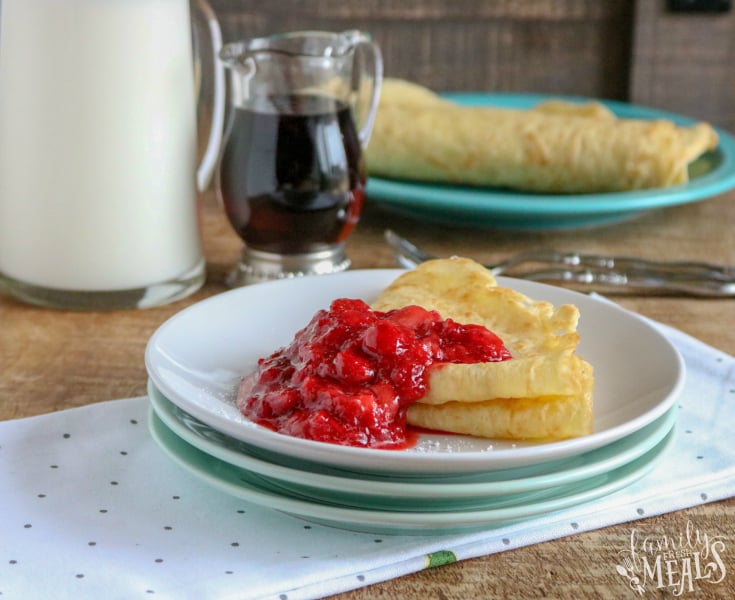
point(374, 74)
point(208, 163)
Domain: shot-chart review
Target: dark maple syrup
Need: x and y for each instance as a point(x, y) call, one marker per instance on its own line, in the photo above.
point(292, 173)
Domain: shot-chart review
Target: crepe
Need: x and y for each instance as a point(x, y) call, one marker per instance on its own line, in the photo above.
point(555, 147)
point(543, 392)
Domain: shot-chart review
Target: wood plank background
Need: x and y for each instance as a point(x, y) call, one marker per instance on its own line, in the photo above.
point(632, 50)
point(685, 62)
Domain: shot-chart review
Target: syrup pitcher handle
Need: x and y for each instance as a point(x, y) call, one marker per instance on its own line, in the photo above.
point(366, 105)
point(209, 159)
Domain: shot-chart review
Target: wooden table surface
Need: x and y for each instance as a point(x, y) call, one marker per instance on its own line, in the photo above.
point(51, 360)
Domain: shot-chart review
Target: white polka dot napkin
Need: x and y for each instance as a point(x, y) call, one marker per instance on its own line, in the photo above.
point(91, 508)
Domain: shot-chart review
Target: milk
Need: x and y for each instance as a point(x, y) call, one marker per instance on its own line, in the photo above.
point(97, 143)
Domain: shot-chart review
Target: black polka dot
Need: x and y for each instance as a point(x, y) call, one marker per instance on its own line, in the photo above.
point(176, 497)
point(133, 422)
point(41, 495)
point(360, 578)
point(229, 572)
point(167, 527)
point(640, 511)
point(158, 560)
point(506, 542)
point(378, 541)
point(91, 543)
point(113, 483)
point(54, 466)
point(79, 575)
point(283, 597)
point(12, 561)
point(307, 526)
point(150, 592)
point(700, 457)
point(235, 544)
point(703, 496)
point(122, 452)
point(574, 525)
point(66, 436)
point(103, 510)
point(27, 526)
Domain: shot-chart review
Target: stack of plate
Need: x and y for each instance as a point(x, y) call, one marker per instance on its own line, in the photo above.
point(447, 482)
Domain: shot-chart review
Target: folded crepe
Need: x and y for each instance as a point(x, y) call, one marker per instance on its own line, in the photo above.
point(544, 392)
point(554, 147)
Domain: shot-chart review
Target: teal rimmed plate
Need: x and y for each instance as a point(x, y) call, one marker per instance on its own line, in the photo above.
point(712, 174)
point(242, 484)
point(318, 482)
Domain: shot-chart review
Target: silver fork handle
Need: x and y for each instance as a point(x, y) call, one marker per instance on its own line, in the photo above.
point(408, 252)
point(650, 281)
point(671, 277)
point(630, 264)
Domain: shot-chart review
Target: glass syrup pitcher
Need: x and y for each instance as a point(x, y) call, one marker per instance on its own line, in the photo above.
point(291, 175)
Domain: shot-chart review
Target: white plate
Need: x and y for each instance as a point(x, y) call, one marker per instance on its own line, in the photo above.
point(199, 355)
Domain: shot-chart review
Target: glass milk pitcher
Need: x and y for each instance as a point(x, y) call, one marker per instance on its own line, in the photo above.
point(98, 167)
point(292, 175)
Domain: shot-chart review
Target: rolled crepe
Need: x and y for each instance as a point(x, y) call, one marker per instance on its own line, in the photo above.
point(556, 147)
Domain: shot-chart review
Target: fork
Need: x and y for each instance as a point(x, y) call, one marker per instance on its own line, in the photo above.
point(681, 277)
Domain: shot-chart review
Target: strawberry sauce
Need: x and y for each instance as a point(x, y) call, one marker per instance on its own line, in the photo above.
point(349, 376)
